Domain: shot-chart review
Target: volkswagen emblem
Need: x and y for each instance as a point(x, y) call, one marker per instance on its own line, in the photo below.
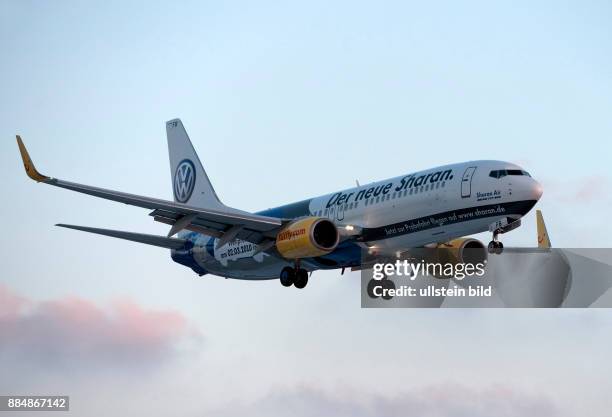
point(184, 180)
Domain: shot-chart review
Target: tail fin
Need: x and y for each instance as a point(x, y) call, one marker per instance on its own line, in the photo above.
point(190, 183)
point(543, 239)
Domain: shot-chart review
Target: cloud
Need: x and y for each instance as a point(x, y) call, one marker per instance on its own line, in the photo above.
point(446, 400)
point(10, 303)
point(580, 190)
point(591, 189)
point(76, 334)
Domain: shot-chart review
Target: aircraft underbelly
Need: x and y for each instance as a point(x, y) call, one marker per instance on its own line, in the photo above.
point(247, 268)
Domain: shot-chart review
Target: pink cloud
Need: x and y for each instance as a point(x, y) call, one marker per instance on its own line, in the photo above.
point(77, 331)
point(591, 189)
point(578, 191)
point(11, 304)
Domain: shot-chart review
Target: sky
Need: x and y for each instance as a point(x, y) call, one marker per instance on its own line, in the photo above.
point(285, 101)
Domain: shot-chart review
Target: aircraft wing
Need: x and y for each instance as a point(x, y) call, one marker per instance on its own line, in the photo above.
point(225, 225)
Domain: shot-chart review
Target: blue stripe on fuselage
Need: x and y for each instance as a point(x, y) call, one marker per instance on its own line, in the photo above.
point(289, 211)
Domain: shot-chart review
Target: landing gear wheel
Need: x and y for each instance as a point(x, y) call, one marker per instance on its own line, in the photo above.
point(287, 276)
point(499, 249)
point(301, 278)
point(495, 247)
point(492, 246)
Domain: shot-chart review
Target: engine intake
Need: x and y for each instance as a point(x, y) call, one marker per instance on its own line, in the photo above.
point(464, 250)
point(307, 238)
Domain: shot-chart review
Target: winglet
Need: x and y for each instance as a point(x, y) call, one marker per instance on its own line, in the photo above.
point(543, 239)
point(28, 164)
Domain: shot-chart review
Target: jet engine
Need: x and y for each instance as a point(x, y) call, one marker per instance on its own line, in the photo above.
point(463, 250)
point(307, 238)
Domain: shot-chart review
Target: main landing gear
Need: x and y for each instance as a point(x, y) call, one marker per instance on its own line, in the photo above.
point(495, 246)
point(297, 277)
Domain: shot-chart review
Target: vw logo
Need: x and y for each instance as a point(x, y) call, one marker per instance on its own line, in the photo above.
point(184, 180)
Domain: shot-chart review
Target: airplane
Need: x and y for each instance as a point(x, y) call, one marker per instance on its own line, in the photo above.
point(437, 207)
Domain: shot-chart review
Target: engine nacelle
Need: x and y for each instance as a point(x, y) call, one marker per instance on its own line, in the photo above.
point(307, 238)
point(461, 251)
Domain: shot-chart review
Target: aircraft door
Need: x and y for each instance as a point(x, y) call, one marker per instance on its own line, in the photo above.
point(466, 182)
point(331, 213)
point(340, 212)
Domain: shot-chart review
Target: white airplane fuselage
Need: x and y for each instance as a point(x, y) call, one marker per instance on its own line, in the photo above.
point(430, 206)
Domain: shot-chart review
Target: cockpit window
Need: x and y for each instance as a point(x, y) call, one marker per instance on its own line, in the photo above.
point(500, 173)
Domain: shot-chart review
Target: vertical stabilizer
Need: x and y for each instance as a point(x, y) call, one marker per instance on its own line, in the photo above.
point(190, 184)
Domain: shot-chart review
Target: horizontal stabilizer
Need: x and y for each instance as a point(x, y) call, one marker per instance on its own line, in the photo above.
point(161, 241)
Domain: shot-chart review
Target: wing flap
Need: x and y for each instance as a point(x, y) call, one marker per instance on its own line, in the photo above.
point(251, 221)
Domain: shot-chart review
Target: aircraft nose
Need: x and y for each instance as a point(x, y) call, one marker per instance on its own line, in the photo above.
point(536, 190)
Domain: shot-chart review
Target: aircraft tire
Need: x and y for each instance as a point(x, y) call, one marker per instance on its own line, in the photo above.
point(287, 276)
point(301, 278)
point(499, 249)
point(495, 247)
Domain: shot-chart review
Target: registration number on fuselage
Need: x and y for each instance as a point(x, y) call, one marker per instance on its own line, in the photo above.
point(235, 250)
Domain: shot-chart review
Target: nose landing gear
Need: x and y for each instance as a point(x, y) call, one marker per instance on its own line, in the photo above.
point(503, 225)
point(495, 246)
point(297, 277)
